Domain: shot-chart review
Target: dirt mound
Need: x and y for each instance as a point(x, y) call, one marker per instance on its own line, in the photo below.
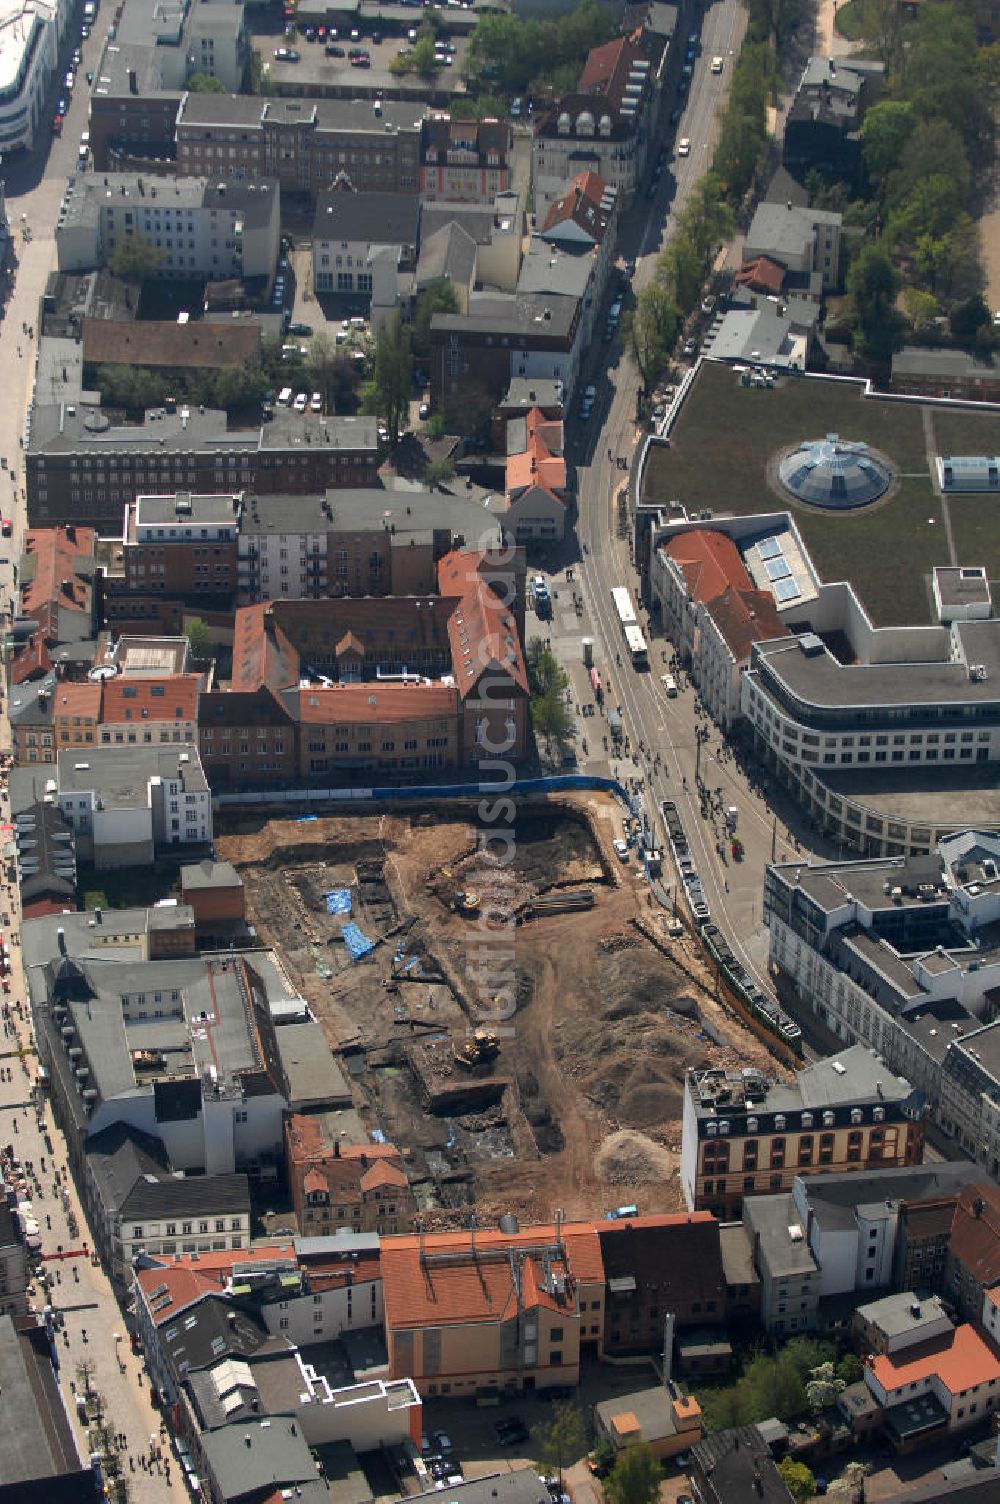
point(630, 1158)
point(640, 981)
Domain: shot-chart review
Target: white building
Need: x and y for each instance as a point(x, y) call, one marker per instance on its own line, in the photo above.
point(30, 35)
point(199, 226)
point(805, 242)
point(128, 804)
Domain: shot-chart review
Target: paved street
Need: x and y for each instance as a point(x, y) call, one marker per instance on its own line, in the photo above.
point(35, 186)
point(662, 726)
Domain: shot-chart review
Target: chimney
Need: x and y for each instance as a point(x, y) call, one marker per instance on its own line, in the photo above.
point(978, 1206)
point(133, 88)
point(788, 203)
point(336, 1148)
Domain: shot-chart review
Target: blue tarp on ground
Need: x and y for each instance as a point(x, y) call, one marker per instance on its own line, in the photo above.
point(358, 944)
point(339, 901)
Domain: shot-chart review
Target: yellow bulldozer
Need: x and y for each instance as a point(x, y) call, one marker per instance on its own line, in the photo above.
point(477, 1051)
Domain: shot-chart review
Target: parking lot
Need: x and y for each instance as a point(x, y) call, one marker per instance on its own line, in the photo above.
point(318, 66)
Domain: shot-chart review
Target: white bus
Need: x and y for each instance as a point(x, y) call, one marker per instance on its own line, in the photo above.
point(636, 644)
point(624, 607)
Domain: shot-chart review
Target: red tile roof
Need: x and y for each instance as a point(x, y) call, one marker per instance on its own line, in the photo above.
point(607, 68)
point(975, 1232)
point(164, 342)
point(745, 617)
point(479, 1286)
point(483, 634)
point(711, 563)
point(173, 697)
point(962, 1360)
point(262, 653)
point(541, 462)
point(761, 275)
point(379, 703)
point(83, 700)
point(34, 661)
point(200, 1274)
point(54, 583)
point(582, 204)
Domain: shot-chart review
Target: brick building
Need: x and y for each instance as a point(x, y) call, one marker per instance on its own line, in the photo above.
point(658, 1267)
point(973, 1261)
point(466, 161)
point(336, 1185)
point(303, 143)
point(182, 545)
point(81, 468)
point(214, 892)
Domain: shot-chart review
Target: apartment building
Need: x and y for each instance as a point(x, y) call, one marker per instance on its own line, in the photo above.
point(788, 1271)
point(127, 805)
point(366, 243)
point(145, 63)
point(743, 1134)
point(474, 356)
point(609, 123)
point(535, 483)
point(304, 144)
point(823, 126)
point(55, 576)
point(334, 1184)
point(76, 714)
point(660, 1267)
point(374, 540)
point(805, 242)
point(949, 1385)
point(136, 1205)
point(488, 1312)
point(464, 161)
point(150, 710)
point(919, 372)
point(182, 545)
point(198, 227)
point(31, 711)
point(896, 952)
point(80, 466)
point(972, 1268)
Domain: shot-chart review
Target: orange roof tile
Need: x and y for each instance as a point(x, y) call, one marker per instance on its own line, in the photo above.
point(744, 617)
point(962, 1360)
point(480, 1286)
point(201, 1274)
point(33, 661)
point(381, 1173)
point(711, 563)
point(541, 462)
point(83, 700)
point(54, 583)
point(262, 653)
point(483, 634)
point(393, 703)
point(975, 1232)
point(173, 697)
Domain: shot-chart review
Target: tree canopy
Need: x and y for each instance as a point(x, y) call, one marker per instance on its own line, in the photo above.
point(134, 258)
point(514, 52)
point(635, 1477)
point(205, 83)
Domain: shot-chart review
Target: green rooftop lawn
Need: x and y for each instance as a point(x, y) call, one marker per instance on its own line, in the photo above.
point(718, 458)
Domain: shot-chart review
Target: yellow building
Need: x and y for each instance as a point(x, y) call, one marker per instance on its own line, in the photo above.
point(491, 1312)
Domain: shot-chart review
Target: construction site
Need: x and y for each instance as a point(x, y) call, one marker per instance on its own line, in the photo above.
point(520, 1028)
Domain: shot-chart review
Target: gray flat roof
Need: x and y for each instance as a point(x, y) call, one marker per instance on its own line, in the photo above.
point(258, 1455)
point(201, 875)
point(36, 1439)
point(122, 774)
point(820, 682)
point(312, 1073)
point(769, 1219)
point(242, 111)
point(928, 794)
point(405, 509)
point(548, 269)
point(520, 1487)
point(894, 1314)
point(55, 429)
point(512, 313)
point(151, 511)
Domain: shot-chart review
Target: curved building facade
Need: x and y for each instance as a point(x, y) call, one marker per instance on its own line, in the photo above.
point(30, 33)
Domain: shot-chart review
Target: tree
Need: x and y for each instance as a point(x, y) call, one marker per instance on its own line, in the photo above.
point(965, 318)
point(850, 1369)
point(199, 638)
point(561, 1438)
point(392, 377)
point(134, 259)
point(799, 1480)
point(921, 307)
point(331, 373)
point(872, 284)
point(823, 1387)
point(260, 80)
point(635, 1477)
point(439, 296)
point(650, 330)
point(204, 83)
point(884, 133)
point(545, 675)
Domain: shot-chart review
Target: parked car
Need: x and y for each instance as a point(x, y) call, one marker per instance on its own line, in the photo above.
point(332, 50)
point(316, 402)
point(684, 147)
point(621, 849)
point(69, 81)
point(286, 54)
point(424, 411)
point(690, 348)
point(303, 329)
point(300, 402)
point(443, 1441)
point(716, 65)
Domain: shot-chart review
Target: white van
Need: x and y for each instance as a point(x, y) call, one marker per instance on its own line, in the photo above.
point(670, 685)
point(285, 396)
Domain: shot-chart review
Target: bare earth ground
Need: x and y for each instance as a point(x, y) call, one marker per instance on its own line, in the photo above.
point(581, 1110)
